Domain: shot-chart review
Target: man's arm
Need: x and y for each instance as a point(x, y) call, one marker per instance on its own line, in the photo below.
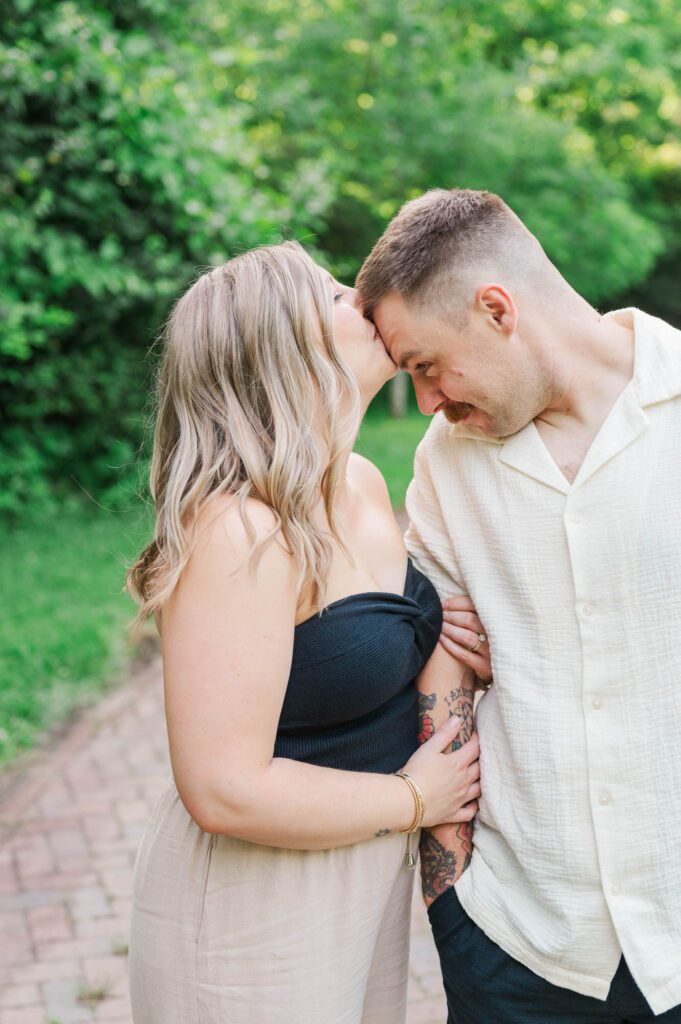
point(428, 537)
point(445, 688)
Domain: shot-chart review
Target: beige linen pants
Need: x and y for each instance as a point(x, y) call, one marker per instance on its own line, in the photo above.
point(227, 932)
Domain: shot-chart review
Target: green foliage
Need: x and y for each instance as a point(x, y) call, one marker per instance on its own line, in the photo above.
point(144, 139)
point(390, 100)
point(390, 444)
point(119, 175)
point(62, 630)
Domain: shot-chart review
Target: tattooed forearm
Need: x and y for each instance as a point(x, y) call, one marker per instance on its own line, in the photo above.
point(464, 834)
point(438, 866)
point(425, 702)
point(460, 703)
point(446, 850)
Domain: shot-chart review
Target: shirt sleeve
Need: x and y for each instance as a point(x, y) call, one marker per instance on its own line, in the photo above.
point(428, 537)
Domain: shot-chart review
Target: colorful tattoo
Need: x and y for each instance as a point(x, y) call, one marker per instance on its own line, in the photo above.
point(438, 866)
point(460, 703)
point(443, 862)
point(426, 703)
point(465, 836)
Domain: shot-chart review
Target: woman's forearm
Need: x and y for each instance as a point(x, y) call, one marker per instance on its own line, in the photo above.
point(295, 805)
point(446, 688)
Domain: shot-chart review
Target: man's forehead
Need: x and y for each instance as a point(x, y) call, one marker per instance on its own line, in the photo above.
point(400, 329)
point(392, 307)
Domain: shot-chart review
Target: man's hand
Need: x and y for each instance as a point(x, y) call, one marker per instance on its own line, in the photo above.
point(463, 636)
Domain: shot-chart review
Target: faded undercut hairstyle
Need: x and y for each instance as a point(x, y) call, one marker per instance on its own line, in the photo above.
point(436, 247)
point(249, 373)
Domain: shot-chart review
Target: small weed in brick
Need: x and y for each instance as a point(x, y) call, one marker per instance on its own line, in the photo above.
point(93, 995)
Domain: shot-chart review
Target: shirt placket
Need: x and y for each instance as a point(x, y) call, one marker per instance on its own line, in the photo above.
point(601, 698)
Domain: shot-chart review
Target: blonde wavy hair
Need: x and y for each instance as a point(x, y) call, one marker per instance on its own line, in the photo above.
point(248, 376)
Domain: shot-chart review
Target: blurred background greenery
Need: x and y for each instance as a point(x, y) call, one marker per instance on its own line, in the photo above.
point(143, 140)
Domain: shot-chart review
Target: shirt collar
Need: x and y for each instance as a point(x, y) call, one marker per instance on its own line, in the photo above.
point(657, 356)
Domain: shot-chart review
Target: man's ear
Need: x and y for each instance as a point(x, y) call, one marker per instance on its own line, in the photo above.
point(497, 304)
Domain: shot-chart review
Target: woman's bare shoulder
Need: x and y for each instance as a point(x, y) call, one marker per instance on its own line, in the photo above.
point(366, 476)
point(227, 533)
point(227, 521)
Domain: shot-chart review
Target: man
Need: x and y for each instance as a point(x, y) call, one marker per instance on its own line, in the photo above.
point(548, 488)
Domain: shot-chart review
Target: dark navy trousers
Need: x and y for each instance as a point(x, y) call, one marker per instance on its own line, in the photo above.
point(485, 985)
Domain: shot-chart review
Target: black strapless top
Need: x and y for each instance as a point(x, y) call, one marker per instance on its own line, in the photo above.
point(350, 701)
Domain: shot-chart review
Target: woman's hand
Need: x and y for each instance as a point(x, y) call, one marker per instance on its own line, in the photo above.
point(461, 633)
point(450, 782)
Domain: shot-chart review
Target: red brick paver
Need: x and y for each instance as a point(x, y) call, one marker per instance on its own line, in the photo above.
point(69, 831)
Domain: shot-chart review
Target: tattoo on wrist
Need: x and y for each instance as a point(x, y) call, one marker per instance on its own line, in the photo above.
point(382, 832)
point(438, 866)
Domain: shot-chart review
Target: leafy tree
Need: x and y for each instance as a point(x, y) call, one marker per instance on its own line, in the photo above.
point(119, 175)
point(383, 102)
point(144, 139)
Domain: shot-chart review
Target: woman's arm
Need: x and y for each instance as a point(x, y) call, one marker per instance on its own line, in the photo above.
point(227, 646)
point(446, 688)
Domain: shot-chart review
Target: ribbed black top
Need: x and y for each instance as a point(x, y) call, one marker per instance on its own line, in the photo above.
point(350, 701)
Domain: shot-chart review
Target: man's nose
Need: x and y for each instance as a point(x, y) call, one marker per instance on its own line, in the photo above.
point(428, 396)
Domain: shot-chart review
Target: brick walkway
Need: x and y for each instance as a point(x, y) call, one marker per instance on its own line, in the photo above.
point(69, 830)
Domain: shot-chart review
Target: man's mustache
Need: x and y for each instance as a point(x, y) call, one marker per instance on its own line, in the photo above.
point(455, 411)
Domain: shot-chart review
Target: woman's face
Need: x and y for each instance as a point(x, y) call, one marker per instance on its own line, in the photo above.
point(358, 343)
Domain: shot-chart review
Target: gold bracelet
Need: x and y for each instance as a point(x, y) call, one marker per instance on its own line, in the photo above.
point(419, 803)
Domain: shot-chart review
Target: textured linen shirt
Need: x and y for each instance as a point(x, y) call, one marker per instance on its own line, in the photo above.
point(578, 839)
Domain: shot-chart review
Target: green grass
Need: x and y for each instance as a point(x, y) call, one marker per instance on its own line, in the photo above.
point(62, 631)
point(391, 445)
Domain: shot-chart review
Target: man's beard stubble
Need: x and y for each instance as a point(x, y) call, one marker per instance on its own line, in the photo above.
point(502, 422)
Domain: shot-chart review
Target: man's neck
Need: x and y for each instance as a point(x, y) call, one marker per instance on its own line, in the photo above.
point(591, 363)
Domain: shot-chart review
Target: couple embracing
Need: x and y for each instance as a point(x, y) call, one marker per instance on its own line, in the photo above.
point(319, 702)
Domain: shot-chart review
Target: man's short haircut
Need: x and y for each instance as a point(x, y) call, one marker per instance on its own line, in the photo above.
point(436, 247)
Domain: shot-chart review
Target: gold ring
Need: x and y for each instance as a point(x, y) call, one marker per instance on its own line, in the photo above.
point(482, 639)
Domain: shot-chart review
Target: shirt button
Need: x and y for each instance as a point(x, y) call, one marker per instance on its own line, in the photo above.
point(604, 797)
point(597, 702)
point(616, 889)
point(576, 518)
point(587, 609)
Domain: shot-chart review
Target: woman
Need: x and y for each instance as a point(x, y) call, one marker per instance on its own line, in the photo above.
point(272, 884)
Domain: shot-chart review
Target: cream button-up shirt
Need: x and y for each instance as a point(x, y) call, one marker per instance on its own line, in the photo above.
point(578, 840)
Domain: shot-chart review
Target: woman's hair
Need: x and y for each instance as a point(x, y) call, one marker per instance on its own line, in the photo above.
point(243, 389)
